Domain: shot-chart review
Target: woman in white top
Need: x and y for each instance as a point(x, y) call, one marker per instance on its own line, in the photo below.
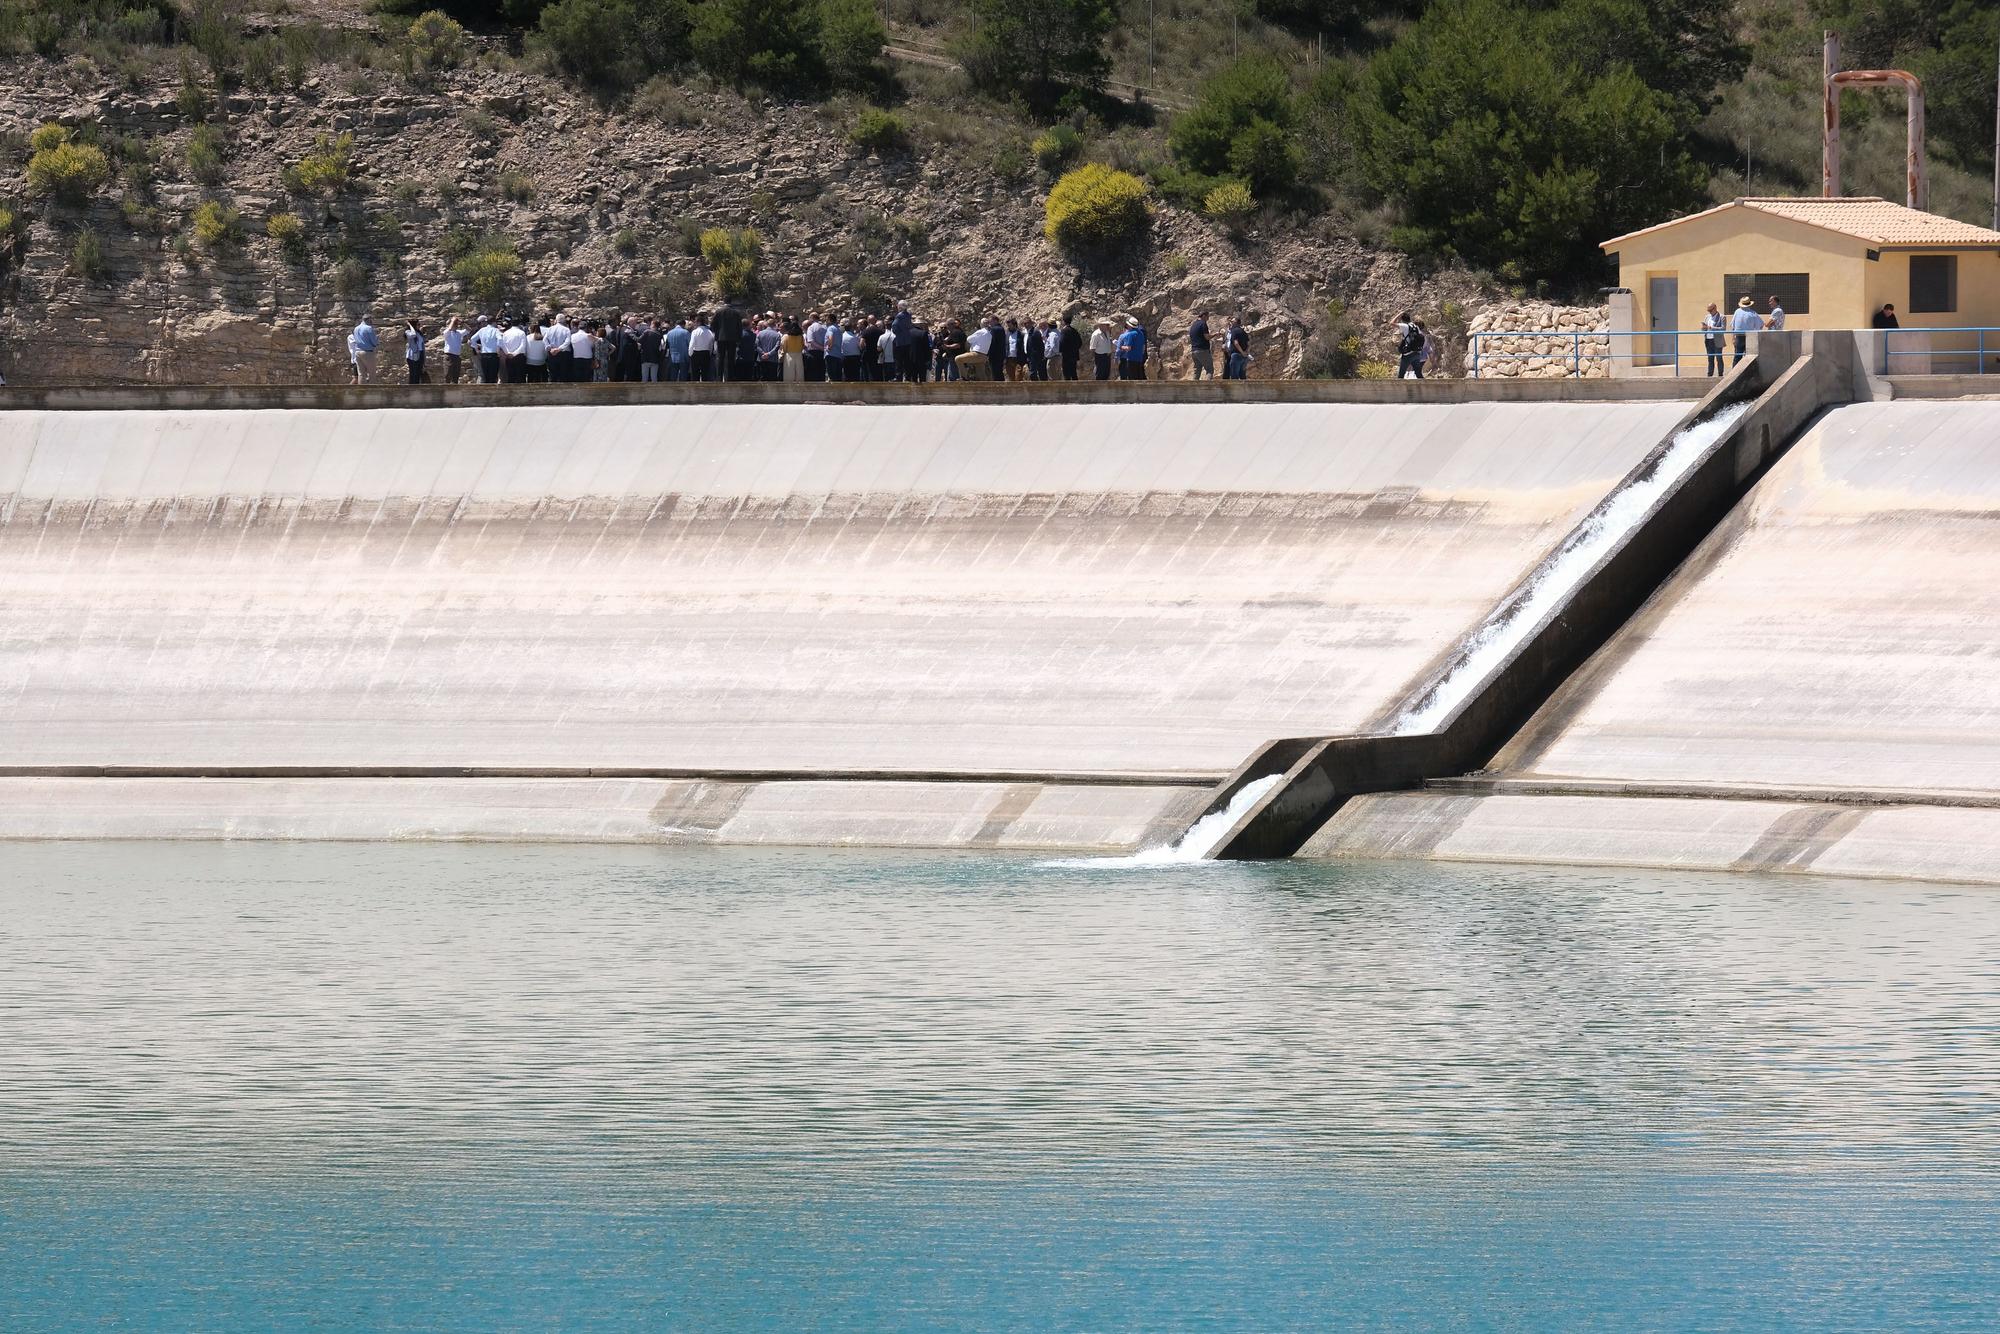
point(538, 354)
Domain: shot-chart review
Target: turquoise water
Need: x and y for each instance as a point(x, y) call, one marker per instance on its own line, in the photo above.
point(336, 1086)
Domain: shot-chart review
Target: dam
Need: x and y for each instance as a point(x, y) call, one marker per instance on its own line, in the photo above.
point(1110, 858)
point(1065, 622)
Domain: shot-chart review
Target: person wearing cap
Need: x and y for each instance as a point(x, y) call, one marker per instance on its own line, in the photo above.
point(1744, 321)
point(1132, 351)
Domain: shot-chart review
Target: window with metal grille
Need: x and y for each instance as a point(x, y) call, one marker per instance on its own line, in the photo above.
point(1933, 284)
point(1793, 290)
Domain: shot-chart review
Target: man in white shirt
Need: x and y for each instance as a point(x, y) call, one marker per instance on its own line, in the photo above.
point(701, 350)
point(1100, 350)
point(486, 342)
point(1776, 319)
point(558, 334)
point(454, 351)
point(514, 347)
point(975, 362)
point(816, 349)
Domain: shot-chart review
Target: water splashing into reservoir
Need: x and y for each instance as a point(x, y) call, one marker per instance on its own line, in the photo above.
point(1200, 839)
point(1560, 574)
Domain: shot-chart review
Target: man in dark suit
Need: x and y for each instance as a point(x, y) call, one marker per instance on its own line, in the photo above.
point(728, 326)
point(1071, 347)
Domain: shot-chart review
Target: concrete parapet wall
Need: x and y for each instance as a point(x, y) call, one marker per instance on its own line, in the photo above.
point(214, 398)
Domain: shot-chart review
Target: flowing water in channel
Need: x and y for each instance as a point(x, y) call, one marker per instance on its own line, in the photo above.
point(1550, 585)
point(291, 1086)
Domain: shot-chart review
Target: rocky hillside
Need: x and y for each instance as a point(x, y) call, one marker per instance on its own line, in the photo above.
point(137, 282)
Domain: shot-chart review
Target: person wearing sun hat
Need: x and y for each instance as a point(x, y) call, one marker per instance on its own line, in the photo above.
point(1132, 351)
point(1744, 321)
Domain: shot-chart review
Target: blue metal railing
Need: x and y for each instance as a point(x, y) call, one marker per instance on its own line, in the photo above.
point(1893, 341)
point(1896, 354)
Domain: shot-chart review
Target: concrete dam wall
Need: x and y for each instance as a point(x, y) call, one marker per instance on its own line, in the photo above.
point(1818, 688)
point(1037, 624)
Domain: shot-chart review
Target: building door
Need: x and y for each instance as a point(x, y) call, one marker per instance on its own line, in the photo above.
point(1663, 313)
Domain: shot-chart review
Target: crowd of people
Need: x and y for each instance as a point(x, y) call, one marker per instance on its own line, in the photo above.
point(729, 344)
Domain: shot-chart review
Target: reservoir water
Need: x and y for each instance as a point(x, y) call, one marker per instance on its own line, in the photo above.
point(298, 1086)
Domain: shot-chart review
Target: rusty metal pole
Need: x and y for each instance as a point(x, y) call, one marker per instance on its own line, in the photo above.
point(1913, 153)
point(1829, 155)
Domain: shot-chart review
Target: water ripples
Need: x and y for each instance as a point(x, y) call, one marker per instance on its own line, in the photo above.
point(324, 1007)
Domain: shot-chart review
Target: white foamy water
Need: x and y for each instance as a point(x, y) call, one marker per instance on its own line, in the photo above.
point(1198, 841)
point(1561, 573)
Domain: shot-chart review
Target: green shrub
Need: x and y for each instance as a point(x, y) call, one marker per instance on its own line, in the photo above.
point(216, 225)
point(732, 259)
point(626, 241)
point(1096, 208)
point(489, 270)
point(1037, 46)
point(515, 186)
point(878, 131)
point(289, 231)
point(48, 136)
point(86, 256)
point(351, 278)
point(1242, 126)
point(1011, 161)
point(192, 101)
point(665, 101)
point(10, 230)
point(71, 172)
point(612, 46)
point(436, 41)
point(1230, 203)
point(204, 155)
point(326, 170)
point(850, 40)
point(1057, 147)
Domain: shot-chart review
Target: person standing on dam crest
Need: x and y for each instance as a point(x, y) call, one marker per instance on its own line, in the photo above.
point(1744, 321)
point(365, 343)
point(1711, 337)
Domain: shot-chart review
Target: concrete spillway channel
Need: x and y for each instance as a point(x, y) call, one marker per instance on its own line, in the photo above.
point(1468, 706)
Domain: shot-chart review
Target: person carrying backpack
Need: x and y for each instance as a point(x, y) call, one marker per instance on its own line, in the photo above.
point(1409, 335)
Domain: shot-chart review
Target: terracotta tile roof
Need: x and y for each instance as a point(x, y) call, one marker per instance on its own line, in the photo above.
point(1864, 217)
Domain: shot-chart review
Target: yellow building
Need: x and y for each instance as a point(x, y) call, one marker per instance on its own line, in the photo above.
point(1833, 263)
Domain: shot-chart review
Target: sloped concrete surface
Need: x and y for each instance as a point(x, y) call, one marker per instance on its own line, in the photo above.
point(1038, 588)
point(1837, 632)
